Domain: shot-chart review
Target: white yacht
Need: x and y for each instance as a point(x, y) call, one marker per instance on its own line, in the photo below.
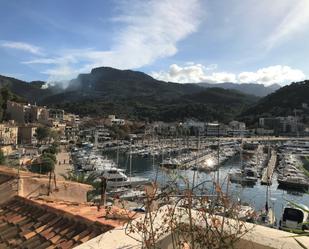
point(133, 194)
point(171, 163)
point(245, 176)
point(117, 178)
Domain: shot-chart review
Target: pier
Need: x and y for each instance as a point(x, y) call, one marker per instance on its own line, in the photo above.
point(198, 160)
point(269, 170)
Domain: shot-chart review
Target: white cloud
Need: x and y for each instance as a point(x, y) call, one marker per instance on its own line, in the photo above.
point(150, 31)
point(221, 77)
point(273, 74)
point(56, 61)
point(195, 73)
point(22, 46)
point(296, 20)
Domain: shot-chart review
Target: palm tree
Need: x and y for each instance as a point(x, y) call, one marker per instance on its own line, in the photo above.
point(82, 177)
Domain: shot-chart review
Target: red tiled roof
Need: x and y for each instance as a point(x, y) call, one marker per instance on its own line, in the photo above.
point(29, 224)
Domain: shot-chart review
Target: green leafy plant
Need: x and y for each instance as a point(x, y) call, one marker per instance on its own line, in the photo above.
point(42, 133)
point(2, 157)
point(190, 219)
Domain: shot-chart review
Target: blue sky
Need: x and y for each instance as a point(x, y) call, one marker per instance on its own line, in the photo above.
point(258, 41)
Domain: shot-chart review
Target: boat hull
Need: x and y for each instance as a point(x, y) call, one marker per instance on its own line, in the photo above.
point(293, 185)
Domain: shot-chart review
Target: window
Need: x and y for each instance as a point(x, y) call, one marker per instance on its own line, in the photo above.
point(293, 214)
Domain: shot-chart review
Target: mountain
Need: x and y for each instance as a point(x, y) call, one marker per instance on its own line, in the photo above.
point(110, 83)
point(136, 95)
point(30, 91)
point(209, 105)
point(280, 103)
point(249, 88)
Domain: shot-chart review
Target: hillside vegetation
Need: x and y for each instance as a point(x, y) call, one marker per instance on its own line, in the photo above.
point(283, 102)
point(134, 95)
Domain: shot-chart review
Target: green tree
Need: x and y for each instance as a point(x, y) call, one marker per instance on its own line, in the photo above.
point(42, 133)
point(55, 135)
point(53, 149)
point(49, 155)
point(43, 165)
point(2, 157)
point(48, 164)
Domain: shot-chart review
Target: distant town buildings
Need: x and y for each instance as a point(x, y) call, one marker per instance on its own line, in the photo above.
point(215, 129)
point(56, 114)
point(25, 118)
point(112, 120)
point(281, 125)
point(194, 126)
point(27, 134)
point(26, 113)
point(8, 134)
point(236, 128)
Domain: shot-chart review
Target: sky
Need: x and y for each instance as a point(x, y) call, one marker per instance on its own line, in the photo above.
point(185, 41)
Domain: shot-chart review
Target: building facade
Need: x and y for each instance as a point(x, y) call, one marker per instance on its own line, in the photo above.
point(282, 125)
point(27, 134)
point(24, 114)
point(8, 134)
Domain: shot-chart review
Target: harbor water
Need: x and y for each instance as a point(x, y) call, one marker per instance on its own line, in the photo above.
point(254, 195)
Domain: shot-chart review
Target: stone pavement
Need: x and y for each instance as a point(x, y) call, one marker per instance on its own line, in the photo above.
point(63, 163)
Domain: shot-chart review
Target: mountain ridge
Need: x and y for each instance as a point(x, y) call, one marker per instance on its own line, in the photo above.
point(282, 102)
point(135, 94)
point(259, 90)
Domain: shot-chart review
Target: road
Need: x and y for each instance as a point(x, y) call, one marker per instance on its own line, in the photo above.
point(63, 163)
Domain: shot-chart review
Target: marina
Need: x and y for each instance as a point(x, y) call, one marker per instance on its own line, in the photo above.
point(257, 175)
point(253, 194)
point(154, 124)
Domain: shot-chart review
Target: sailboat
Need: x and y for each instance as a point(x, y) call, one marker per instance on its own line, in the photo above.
point(246, 175)
point(133, 193)
point(267, 216)
point(245, 211)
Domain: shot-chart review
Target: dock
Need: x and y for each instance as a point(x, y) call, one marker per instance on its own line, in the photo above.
point(269, 170)
point(197, 160)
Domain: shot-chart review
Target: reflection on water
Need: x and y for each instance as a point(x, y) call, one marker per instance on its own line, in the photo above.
point(254, 195)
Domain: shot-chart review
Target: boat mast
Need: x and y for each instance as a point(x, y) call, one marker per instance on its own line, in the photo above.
point(241, 169)
point(196, 159)
point(241, 155)
point(117, 157)
point(268, 180)
point(218, 156)
point(130, 160)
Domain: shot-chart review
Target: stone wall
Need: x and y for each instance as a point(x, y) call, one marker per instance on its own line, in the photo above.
point(64, 190)
point(31, 186)
point(8, 189)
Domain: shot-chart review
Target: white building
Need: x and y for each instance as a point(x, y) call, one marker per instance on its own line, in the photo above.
point(237, 128)
point(193, 124)
point(116, 121)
